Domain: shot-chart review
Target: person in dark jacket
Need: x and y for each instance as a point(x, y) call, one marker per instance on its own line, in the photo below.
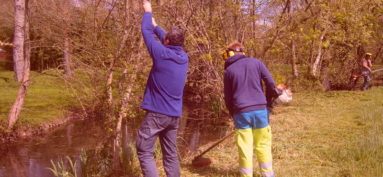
point(163, 96)
point(247, 104)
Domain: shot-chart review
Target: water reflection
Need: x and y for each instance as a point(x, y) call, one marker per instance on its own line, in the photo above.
point(90, 145)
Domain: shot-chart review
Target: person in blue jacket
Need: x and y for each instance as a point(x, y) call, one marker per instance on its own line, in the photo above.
point(248, 105)
point(163, 96)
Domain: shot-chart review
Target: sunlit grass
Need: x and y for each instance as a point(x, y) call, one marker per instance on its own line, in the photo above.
point(46, 100)
point(325, 134)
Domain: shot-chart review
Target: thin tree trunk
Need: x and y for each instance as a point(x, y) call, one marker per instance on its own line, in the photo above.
point(18, 39)
point(253, 26)
point(126, 92)
point(123, 112)
point(17, 105)
point(109, 88)
point(22, 92)
point(293, 60)
point(377, 53)
point(67, 58)
point(316, 65)
point(310, 59)
point(126, 97)
point(122, 45)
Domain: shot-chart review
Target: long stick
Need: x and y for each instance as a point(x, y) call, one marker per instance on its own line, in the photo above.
point(381, 69)
point(214, 145)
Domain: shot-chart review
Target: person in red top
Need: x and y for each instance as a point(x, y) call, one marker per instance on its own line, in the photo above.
point(366, 70)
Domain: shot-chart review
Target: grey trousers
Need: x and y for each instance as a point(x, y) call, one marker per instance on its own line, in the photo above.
point(367, 79)
point(165, 127)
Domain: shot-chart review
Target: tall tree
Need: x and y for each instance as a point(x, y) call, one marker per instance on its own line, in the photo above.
point(18, 39)
point(23, 39)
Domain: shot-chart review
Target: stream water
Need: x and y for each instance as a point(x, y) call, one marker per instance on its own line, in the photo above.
point(93, 141)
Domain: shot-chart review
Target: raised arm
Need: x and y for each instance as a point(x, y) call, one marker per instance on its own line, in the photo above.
point(153, 45)
point(160, 33)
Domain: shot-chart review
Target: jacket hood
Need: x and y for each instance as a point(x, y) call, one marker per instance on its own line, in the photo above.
point(233, 59)
point(177, 54)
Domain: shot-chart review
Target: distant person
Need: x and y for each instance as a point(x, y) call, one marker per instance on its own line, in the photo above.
point(163, 96)
point(366, 70)
point(247, 104)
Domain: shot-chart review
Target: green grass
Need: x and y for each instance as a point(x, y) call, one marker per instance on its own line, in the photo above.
point(46, 100)
point(327, 134)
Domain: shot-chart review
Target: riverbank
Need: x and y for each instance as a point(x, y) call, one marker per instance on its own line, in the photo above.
point(45, 106)
point(337, 133)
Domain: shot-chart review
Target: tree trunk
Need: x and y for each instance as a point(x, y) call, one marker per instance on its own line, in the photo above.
point(316, 65)
point(293, 60)
point(126, 97)
point(377, 54)
point(18, 39)
point(109, 88)
point(253, 26)
point(124, 108)
point(22, 92)
point(67, 58)
point(126, 92)
point(122, 45)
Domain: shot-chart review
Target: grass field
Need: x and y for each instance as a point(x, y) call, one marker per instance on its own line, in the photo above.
point(46, 99)
point(319, 134)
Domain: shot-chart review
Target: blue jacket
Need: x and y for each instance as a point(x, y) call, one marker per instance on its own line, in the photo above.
point(164, 88)
point(243, 84)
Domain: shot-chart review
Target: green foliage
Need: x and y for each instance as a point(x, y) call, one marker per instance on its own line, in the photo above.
point(101, 161)
point(61, 170)
point(279, 78)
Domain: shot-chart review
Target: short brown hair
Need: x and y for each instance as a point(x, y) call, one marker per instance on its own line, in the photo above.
point(175, 36)
point(236, 46)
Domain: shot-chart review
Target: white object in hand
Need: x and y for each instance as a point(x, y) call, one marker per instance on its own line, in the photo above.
point(285, 97)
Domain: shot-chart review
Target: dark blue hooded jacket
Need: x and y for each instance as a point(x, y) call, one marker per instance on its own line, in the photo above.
point(164, 88)
point(243, 84)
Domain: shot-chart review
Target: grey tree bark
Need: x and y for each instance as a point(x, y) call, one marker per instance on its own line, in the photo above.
point(316, 65)
point(67, 58)
point(122, 45)
point(22, 92)
point(18, 39)
point(294, 59)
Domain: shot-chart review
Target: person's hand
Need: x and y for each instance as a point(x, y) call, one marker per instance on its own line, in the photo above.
point(154, 22)
point(147, 6)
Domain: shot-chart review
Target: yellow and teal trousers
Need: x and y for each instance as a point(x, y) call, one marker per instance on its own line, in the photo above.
point(253, 133)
